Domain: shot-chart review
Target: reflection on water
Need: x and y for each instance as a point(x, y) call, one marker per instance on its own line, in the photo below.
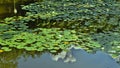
point(11, 59)
point(83, 60)
point(22, 59)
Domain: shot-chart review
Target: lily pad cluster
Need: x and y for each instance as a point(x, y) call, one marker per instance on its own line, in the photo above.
point(71, 9)
point(47, 26)
point(110, 41)
point(42, 39)
point(90, 16)
point(16, 33)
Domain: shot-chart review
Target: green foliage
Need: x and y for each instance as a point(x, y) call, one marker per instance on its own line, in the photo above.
point(47, 26)
point(71, 10)
point(6, 48)
point(110, 41)
point(41, 39)
point(89, 16)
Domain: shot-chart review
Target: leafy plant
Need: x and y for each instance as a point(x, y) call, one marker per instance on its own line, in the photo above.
point(88, 16)
point(42, 39)
point(109, 41)
point(54, 25)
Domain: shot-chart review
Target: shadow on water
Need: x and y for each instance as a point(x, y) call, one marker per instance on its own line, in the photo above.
point(22, 59)
point(12, 7)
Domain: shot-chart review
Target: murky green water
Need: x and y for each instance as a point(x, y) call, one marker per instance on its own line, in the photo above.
point(12, 7)
point(23, 59)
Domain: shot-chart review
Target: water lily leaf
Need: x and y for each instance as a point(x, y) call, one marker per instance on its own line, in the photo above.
point(40, 49)
point(6, 48)
point(53, 51)
point(30, 48)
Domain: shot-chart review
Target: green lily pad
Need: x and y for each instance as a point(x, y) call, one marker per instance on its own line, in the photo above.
point(6, 49)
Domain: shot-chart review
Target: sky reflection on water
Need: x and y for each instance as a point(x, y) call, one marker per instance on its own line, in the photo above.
point(84, 60)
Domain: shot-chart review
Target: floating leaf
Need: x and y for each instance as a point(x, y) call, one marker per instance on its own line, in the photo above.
point(6, 49)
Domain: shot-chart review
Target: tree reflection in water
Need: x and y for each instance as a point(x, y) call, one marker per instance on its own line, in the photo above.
point(10, 59)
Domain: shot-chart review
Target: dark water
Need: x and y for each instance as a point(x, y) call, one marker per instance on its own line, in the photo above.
point(10, 8)
point(45, 60)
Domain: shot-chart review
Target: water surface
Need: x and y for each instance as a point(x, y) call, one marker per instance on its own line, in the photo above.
point(12, 7)
point(23, 59)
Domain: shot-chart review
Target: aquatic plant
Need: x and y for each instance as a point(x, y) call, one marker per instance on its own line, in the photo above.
point(42, 39)
point(16, 33)
point(47, 26)
point(109, 41)
point(71, 10)
point(88, 16)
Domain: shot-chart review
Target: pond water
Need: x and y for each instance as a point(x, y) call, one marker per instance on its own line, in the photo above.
point(23, 59)
point(12, 7)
